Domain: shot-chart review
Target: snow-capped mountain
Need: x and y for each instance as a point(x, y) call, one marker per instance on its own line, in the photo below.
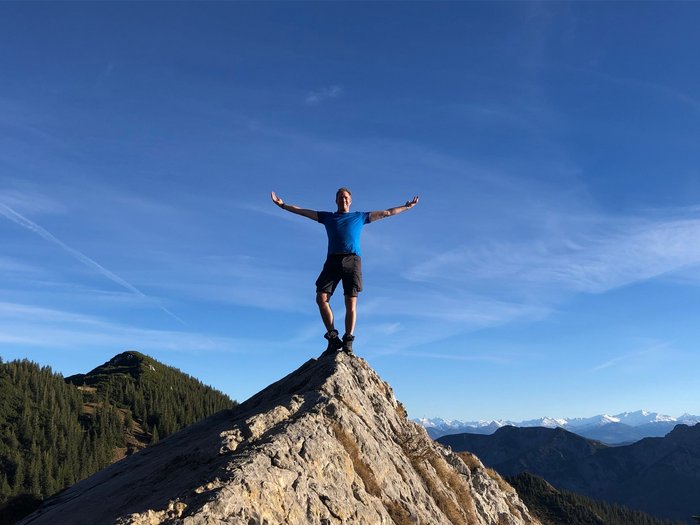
point(438, 427)
point(625, 427)
point(547, 422)
point(440, 423)
point(642, 417)
point(687, 419)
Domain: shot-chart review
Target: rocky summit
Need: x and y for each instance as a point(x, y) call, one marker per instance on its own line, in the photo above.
point(328, 444)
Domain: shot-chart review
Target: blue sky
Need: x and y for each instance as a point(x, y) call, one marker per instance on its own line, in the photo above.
point(552, 266)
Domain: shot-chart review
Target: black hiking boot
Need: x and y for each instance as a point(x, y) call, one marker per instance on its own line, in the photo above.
point(334, 343)
point(347, 343)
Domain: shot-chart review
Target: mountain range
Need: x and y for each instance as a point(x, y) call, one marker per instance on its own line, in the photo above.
point(623, 428)
point(328, 444)
point(658, 475)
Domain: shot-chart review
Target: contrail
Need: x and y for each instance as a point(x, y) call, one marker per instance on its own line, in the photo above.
point(34, 227)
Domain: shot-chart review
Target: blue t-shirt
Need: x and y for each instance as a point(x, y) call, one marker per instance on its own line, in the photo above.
point(343, 230)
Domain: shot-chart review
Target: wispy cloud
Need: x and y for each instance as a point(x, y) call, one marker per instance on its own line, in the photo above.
point(612, 362)
point(609, 253)
point(327, 93)
point(244, 280)
point(18, 312)
point(467, 310)
point(10, 265)
point(644, 358)
point(23, 324)
point(409, 323)
point(29, 201)
point(21, 220)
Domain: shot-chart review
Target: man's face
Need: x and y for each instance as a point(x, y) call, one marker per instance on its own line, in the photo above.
point(343, 200)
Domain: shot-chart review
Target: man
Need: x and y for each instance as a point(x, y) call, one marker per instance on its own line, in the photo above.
point(343, 262)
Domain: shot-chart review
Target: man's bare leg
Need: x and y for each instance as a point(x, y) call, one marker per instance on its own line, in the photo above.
point(322, 300)
point(350, 314)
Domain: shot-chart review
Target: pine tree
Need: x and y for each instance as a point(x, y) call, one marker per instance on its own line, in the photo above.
point(154, 436)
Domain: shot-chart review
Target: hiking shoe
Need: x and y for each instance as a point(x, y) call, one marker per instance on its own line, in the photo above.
point(334, 342)
point(347, 343)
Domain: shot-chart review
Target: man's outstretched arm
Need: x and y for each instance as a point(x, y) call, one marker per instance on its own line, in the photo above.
point(376, 215)
point(294, 209)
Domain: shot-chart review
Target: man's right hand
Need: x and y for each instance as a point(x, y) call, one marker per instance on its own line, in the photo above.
point(294, 209)
point(276, 199)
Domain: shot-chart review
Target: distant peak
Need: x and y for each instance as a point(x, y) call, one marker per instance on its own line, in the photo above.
point(129, 355)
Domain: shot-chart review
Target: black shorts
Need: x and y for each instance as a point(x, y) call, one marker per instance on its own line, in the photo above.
point(341, 267)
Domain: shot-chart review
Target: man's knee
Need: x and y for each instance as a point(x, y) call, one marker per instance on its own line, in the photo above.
point(322, 298)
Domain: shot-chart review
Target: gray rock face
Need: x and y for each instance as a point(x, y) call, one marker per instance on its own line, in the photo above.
point(328, 444)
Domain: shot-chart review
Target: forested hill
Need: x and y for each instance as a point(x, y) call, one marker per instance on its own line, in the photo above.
point(56, 431)
point(161, 398)
point(554, 506)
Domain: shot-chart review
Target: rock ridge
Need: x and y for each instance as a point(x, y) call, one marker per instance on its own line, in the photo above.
point(327, 444)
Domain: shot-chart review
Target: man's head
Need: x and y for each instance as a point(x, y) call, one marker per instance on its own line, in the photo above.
point(343, 198)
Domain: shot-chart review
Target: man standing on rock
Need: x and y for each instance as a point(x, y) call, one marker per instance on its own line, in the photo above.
point(343, 262)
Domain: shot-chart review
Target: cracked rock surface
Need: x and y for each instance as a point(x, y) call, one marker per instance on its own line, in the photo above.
point(328, 444)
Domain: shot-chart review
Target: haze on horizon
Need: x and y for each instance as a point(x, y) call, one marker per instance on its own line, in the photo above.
point(551, 268)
